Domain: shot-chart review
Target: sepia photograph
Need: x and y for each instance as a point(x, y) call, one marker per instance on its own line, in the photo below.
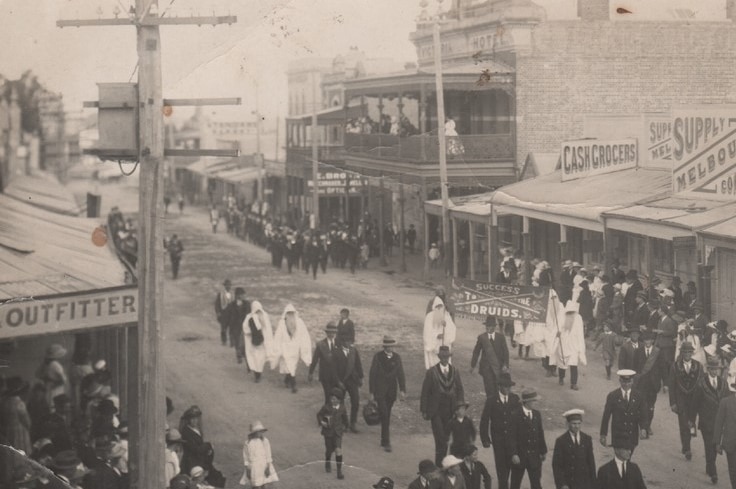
point(387, 244)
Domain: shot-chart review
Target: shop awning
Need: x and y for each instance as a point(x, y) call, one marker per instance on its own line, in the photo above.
point(332, 115)
point(209, 166)
point(42, 253)
point(475, 207)
point(580, 203)
point(724, 230)
point(44, 191)
point(238, 175)
point(670, 217)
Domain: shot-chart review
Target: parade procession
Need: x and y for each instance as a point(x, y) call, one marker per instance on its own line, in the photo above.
point(436, 244)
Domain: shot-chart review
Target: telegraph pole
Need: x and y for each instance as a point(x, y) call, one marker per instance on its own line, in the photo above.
point(146, 375)
point(315, 155)
point(262, 163)
point(439, 87)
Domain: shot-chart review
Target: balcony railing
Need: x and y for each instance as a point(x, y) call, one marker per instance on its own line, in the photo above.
point(477, 147)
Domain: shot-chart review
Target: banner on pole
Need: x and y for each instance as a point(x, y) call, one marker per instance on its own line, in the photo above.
point(476, 300)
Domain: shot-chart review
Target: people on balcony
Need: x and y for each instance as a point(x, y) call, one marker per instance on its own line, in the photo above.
point(455, 146)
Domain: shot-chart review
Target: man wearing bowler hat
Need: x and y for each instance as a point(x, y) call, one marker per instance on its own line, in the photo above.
point(711, 390)
point(641, 313)
point(385, 378)
point(627, 354)
point(531, 448)
point(648, 377)
point(427, 476)
point(685, 375)
point(384, 483)
point(621, 472)
point(324, 356)
point(627, 412)
point(493, 352)
point(498, 427)
point(632, 278)
point(441, 390)
point(234, 316)
point(222, 300)
point(573, 462)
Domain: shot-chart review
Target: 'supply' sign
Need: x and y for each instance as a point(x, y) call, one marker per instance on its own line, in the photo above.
point(57, 314)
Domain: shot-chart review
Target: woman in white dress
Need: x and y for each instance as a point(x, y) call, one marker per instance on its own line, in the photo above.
point(439, 329)
point(291, 343)
point(258, 338)
point(259, 470)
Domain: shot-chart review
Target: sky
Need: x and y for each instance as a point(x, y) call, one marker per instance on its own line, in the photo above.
point(207, 61)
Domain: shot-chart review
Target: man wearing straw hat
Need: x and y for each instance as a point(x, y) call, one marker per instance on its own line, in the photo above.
point(573, 463)
point(385, 378)
point(711, 390)
point(531, 448)
point(627, 412)
point(68, 468)
point(257, 458)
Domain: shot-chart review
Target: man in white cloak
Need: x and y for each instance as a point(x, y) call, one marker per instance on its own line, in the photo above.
point(439, 330)
point(258, 338)
point(568, 347)
point(291, 342)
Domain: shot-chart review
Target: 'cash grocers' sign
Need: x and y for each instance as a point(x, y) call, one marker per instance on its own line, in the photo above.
point(704, 153)
point(58, 314)
point(595, 157)
point(477, 300)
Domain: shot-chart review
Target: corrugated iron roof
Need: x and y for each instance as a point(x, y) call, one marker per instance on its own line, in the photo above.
point(682, 212)
point(44, 191)
point(725, 229)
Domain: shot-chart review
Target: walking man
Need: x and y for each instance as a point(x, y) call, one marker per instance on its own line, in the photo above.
point(386, 376)
point(234, 316)
point(324, 356)
point(708, 396)
point(620, 472)
point(223, 299)
point(441, 390)
point(573, 462)
point(175, 249)
point(684, 378)
point(649, 375)
point(626, 410)
point(498, 427)
point(493, 352)
point(724, 432)
point(627, 354)
point(349, 375)
point(530, 444)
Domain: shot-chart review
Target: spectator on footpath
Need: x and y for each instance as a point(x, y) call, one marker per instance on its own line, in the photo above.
point(15, 423)
point(386, 377)
point(52, 373)
point(174, 454)
point(439, 331)
point(176, 250)
point(291, 343)
point(223, 299)
point(257, 459)
point(411, 237)
point(333, 418)
point(199, 476)
point(434, 256)
point(258, 338)
point(197, 452)
point(180, 200)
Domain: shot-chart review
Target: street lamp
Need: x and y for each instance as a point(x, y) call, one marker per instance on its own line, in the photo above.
point(435, 20)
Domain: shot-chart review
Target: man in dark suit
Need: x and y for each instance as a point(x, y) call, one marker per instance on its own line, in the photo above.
point(106, 475)
point(386, 376)
point(632, 278)
point(684, 378)
point(566, 276)
point(573, 462)
point(222, 300)
point(621, 472)
point(666, 339)
point(234, 315)
point(474, 471)
point(618, 276)
point(441, 391)
point(628, 350)
point(711, 390)
point(498, 426)
point(349, 375)
point(641, 313)
point(324, 357)
point(724, 432)
point(345, 326)
point(494, 356)
point(530, 444)
point(648, 377)
point(654, 318)
point(627, 412)
point(700, 321)
point(427, 476)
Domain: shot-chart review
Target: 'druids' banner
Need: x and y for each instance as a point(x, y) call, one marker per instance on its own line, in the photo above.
point(476, 300)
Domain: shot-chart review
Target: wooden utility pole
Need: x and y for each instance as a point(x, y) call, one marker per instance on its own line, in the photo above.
point(437, 47)
point(146, 376)
point(402, 232)
point(259, 156)
point(381, 225)
point(315, 155)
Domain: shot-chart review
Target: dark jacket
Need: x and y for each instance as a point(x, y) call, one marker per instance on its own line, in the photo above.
point(462, 433)
point(386, 375)
point(104, 477)
point(609, 477)
point(682, 385)
point(417, 484)
point(640, 316)
point(667, 335)
point(494, 355)
point(348, 369)
point(335, 420)
point(627, 354)
point(707, 400)
point(197, 452)
point(346, 329)
point(724, 433)
point(574, 466)
point(626, 418)
point(648, 370)
point(630, 299)
point(530, 439)
point(498, 421)
point(474, 478)
point(438, 388)
point(326, 360)
point(233, 316)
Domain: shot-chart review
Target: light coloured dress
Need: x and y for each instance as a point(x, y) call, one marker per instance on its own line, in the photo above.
point(257, 457)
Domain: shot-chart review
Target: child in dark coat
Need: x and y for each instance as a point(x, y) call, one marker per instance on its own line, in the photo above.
point(607, 342)
point(461, 430)
point(333, 418)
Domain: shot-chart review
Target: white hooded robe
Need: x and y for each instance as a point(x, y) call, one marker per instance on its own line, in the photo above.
point(257, 356)
point(288, 349)
point(432, 327)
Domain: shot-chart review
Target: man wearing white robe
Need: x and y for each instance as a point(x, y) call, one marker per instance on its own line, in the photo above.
point(291, 343)
point(258, 323)
point(568, 347)
point(439, 329)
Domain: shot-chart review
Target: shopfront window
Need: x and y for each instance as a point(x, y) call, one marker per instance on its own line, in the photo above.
point(663, 255)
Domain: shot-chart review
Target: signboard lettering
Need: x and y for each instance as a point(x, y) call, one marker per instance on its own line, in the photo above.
point(44, 315)
point(337, 183)
point(704, 153)
point(658, 139)
point(476, 300)
point(595, 157)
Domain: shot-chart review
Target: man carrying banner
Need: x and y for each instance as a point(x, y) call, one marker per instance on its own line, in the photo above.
point(493, 352)
point(568, 348)
point(439, 330)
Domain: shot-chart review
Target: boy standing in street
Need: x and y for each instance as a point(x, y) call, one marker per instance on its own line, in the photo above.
point(333, 418)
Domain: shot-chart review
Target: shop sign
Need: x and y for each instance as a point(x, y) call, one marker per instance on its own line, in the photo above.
point(476, 300)
point(590, 157)
point(658, 139)
point(704, 153)
point(337, 183)
point(68, 312)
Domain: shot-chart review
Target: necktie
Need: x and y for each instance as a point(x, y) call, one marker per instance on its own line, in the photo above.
point(714, 382)
point(530, 415)
point(687, 367)
point(626, 397)
point(623, 470)
point(576, 441)
point(648, 352)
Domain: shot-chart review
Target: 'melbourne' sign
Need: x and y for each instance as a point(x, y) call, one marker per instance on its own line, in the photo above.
point(595, 157)
point(68, 312)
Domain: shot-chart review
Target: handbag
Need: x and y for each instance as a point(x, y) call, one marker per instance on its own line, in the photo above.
point(370, 413)
point(256, 334)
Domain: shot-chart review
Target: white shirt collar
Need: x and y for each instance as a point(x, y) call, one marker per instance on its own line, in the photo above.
point(527, 411)
point(619, 464)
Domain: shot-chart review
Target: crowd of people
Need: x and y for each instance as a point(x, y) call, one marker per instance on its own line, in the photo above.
point(394, 125)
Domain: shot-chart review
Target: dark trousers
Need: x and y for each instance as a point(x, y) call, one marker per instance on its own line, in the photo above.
point(354, 393)
point(175, 266)
point(731, 457)
point(441, 435)
point(535, 476)
point(236, 341)
point(223, 333)
point(650, 398)
point(327, 388)
point(683, 420)
point(667, 357)
point(384, 409)
point(502, 456)
point(710, 453)
point(489, 383)
point(573, 374)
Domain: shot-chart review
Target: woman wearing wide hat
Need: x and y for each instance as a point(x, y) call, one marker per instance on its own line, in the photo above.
point(257, 458)
point(52, 373)
point(15, 423)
